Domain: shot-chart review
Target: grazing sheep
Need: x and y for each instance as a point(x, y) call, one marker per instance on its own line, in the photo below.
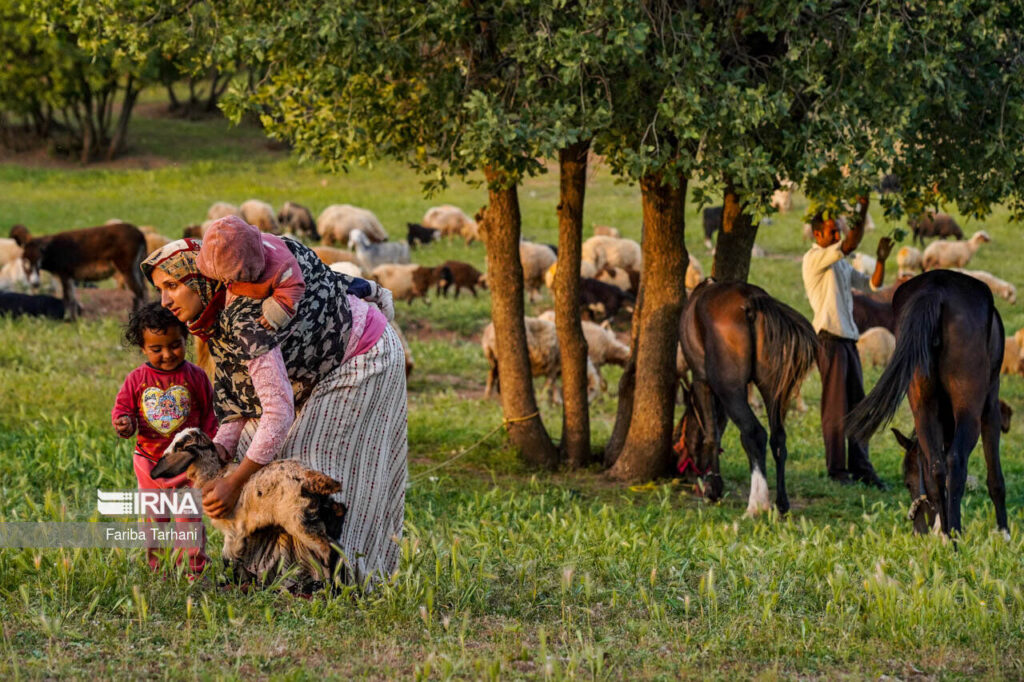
point(619, 253)
point(259, 214)
point(619, 277)
point(535, 259)
point(603, 301)
point(297, 219)
point(406, 282)
point(864, 263)
point(940, 254)
point(154, 241)
point(451, 221)
point(606, 231)
point(9, 251)
point(908, 261)
point(337, 222)
point(1013, 362)
point(347, 268)
point(603, 348)
point(283, 494)
point(330, 255)
point(462, 275)
point(16, 305)
point(694, 274)
point(587, 269)
point(999, 287)
point(939, 225)
point(196, 231)
point(222, 209)
point(876, 346)
point(370, 255)
point(410, 364)
point(542, 344)
point(421, 235)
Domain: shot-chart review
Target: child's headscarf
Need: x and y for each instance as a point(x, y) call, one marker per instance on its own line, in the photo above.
point(179, 260)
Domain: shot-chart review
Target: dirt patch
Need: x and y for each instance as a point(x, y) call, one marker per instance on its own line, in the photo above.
point(422, 330)
point(101, 303)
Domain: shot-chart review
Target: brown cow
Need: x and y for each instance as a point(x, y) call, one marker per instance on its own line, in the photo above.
point(90, 254)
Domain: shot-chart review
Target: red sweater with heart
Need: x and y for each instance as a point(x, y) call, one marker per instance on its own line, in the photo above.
point(163, 403)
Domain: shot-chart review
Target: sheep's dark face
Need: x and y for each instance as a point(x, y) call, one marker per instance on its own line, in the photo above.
point(187, 447)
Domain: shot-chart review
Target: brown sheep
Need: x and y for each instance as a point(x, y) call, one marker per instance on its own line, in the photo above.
point(939, 225)
point(461, 275)
point(283, 494)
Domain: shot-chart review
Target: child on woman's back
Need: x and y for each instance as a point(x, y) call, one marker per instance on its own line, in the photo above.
point(160, 398)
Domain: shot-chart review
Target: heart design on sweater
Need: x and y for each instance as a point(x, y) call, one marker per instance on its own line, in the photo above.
point(166, 410)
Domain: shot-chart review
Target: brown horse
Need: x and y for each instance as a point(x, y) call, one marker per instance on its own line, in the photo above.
point(949, 349)
point(734, 334)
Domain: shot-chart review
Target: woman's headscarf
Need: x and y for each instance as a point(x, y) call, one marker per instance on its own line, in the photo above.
point(179, 260)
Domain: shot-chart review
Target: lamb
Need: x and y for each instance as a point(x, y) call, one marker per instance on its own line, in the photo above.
point(1013, 362)
point(406, 282)
point(421, 235)
point(222, 209)
point(462, 275)
point(603, 301)
point(370, 255)
point(606, 231)
point(603, 348)
point(542, 344)
point(535, 259)
point(999, 287)
point(259, 214)
point(451, 221)
point(619, 253)
point(347, 268)
point(940, 254)
point(337, 221)
point(283, 494)
point(908, 261)
point(330, 255)
point(939, 225)
point(876, 346)
point(587, 269)
point(694, 274)
point(297, 219)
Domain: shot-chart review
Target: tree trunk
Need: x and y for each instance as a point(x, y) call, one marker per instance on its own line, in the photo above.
point(121, 133)
point(627, 388)
point(500, 227)
point(736, 239)
point(647, 452)
point(175, 104)
point(575, 444)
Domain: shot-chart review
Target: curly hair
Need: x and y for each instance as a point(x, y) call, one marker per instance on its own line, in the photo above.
point(151, 316)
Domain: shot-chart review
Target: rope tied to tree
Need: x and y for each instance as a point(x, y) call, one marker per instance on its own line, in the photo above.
point(503, 425)
point(516, 420)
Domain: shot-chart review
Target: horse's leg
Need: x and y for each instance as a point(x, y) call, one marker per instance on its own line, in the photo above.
point(754, 439)
point(991, 423)
point(776, 422)
point(928, 424)
point(704, 403)
point(964, 439)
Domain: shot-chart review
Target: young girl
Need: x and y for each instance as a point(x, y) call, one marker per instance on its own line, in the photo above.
point(160, 398)
point(254, 265)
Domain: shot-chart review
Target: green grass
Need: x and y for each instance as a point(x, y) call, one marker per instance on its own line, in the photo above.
point(505, 574)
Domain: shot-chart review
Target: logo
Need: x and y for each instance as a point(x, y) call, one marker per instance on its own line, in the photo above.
point(182, 502)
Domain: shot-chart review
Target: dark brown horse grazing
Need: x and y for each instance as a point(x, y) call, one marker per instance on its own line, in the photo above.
point(734, 334)
point(949, 348)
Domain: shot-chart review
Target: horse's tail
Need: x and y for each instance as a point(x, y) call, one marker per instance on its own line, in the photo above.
point(916, 331)
point(789, 340)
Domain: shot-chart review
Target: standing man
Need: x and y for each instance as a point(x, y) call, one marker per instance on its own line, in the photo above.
point(828, 278)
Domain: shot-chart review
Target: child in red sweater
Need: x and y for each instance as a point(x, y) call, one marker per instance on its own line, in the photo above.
point(160, 398)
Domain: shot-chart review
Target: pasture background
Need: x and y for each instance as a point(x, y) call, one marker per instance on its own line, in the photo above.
point(505, 573)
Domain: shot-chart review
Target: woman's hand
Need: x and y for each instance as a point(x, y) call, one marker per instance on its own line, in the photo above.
point(220, 496)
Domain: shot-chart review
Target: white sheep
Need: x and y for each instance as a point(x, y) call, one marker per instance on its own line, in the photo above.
point(260, 214)
point(406, 282)
point(9, 251)
point(908, 261)
point(370, 255)
point(999, 287)
point(337, 221)
point(619, 253)
point(694, 273)
point(782, 199)
point(617, 276)
point(536, 259)
point(943, 254)
point(606, 231)
point(587, 269)
point(347, 268)
point(863, 263)
point(542, 344)
point(876, 346)
point(603, 348)
point(222, 209)
point(330, 255)
point(1013, 362)
point(451, 220)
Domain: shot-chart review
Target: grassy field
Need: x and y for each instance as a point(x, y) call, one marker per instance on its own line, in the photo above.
point(505, 574)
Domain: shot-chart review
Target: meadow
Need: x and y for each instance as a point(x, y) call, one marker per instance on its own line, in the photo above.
point(506, 573)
